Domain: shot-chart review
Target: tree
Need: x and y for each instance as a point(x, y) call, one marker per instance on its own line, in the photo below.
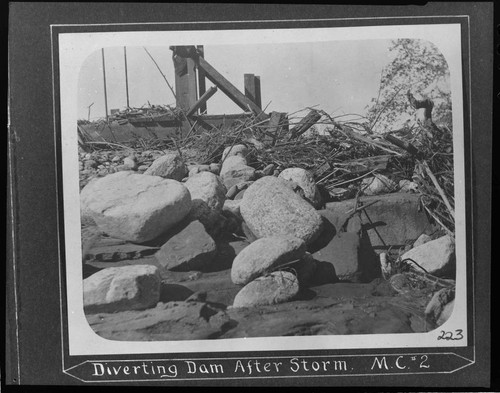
point(418, 66)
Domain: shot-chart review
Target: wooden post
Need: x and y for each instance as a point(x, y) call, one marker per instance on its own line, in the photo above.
point(104, 77)
point(277, 123)
point(126, 74)
point(185, 82)
point(252, 88)
point(202, 87)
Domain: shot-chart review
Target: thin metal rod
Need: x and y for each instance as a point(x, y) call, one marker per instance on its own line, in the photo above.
point(162, 74)
point(105, 92)
point(126, 74)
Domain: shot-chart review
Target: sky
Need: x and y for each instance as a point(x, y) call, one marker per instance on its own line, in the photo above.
point(338, 76)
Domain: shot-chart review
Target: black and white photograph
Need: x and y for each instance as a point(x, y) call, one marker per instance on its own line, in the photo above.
point(267, 184)
point(258, 201)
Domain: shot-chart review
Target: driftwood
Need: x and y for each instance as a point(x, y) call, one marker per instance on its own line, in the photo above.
point(307, 122)
point(367, 164)
point(402, 144)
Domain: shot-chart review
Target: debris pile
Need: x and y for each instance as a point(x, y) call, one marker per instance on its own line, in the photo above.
point(263, 219)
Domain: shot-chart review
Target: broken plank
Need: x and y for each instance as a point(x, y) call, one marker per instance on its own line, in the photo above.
point(307, 122)
point(367, 164)
point(402, 144)
point(227, 87)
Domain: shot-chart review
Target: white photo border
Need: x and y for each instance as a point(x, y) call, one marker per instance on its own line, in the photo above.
point(73, 49)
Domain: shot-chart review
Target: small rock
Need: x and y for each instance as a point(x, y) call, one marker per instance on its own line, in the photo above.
point(89, 164)
point(277, 287)
point(378, 184)
point(215, 168)
point(115, 159)
point(408, 186)
point(195, 169)
point(231, 193)
point(270, 208)
point(304, 180)
point(168, 166)
point(207, 197)
point(269, 170)
point(445, 313)
point(437, 304)
point(236, 150)
point(119, 168)
point(239, 195)
point(238, 174)
point(143, 168)
point(191, 248)
point(232, 208)
point(264, 255)
point(123, 288)
point(237, 188)
point(338, 193)
point(437, 256)
point(130, 162)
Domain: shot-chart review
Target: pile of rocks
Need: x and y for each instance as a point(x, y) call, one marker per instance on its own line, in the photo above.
point(180, 211)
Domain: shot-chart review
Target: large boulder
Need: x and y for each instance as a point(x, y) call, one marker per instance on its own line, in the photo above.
point(134, 207)
point(114, 289)
point(207, 187)
point(191, 248)
point(270, 208)
point(264, 255)
point(437, 256)
point(391, 220)
point(208, 194)
point(277, 287)
point(169, 166)
point(305, 180)
point(343, 252)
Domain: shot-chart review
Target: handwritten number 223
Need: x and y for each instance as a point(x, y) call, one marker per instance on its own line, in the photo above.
point(457, 335)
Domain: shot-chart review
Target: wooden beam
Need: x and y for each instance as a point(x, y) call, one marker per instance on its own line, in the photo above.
point(252, 88)
point(227, 87)
point(307, 122)
point(185, 86)
point(202, 101)
point(402, 144)
point(366, 164)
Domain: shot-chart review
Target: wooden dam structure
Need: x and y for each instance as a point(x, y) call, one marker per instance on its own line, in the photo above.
point(191, 94)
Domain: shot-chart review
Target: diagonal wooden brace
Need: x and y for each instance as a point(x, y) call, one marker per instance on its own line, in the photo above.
point(227, 87)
